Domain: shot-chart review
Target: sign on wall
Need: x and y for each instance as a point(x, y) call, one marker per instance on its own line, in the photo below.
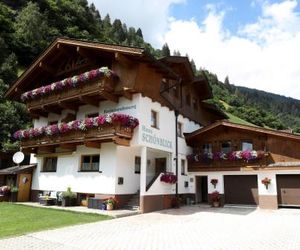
point(149, 136)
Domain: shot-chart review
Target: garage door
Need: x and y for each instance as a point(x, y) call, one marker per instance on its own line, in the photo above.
point(241, 189)
point(288, 190)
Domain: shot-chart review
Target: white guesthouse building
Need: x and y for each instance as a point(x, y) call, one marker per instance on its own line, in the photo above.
point(106, 159)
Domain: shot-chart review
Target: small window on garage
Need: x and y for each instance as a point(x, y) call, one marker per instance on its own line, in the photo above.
point(226, 146)
point(247, 145)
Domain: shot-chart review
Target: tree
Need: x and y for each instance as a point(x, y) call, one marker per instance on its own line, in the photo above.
point(30, 32)
point(176, 53)
point(139, 33)
point(165, 50)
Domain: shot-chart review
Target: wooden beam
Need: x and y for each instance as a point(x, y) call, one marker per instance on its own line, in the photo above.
point(127, 94)
point(83, 52)
point(66, 105)
point(93, 144)
point(37, 113)
point(51, 110)
point(89, 100)
point(47, 68)
point(121, 141)
point(69, 147)
point(123, 59)
point(63, 50)
point(109, 96)
point(46, 149)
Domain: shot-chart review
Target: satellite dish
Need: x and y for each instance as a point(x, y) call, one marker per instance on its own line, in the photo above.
point(18, 157)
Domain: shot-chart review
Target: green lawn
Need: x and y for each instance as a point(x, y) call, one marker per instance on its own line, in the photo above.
point(20, 219)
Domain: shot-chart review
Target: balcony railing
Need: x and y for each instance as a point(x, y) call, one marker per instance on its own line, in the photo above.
point(230, 161)
point(97, 83)
point(115, 127)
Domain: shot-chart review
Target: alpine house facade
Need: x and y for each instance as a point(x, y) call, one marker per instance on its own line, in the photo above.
point(104, 121)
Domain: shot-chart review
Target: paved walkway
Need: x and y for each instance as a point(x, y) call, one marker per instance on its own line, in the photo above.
point(190, 227)
point(118, 213)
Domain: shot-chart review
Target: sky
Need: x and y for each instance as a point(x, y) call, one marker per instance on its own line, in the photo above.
point(256, 43)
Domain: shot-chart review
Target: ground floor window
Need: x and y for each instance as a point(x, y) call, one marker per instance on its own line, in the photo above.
point(50, 164)
point(90, 163)
point(137, 165)
point(182, 167)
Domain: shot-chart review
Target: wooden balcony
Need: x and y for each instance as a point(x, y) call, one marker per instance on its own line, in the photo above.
point(71, 98)
point(228, 165)
point(92, 137)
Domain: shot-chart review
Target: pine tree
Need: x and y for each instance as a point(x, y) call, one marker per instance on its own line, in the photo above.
point(165, 50)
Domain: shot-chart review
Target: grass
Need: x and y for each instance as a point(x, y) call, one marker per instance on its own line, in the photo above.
point(18, 219)
point(235, 119)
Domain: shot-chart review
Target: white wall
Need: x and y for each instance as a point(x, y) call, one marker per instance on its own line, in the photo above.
point(68, 175)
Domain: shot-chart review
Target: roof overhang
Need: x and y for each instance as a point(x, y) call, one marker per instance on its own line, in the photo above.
point(17, 169)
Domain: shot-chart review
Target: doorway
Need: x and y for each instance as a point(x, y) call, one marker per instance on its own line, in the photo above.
point(160, 165)
point(201, 189)
point(24, 185)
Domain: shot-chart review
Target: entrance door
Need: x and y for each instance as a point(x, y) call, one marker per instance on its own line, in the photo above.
point(24, 185)
point(288, 190)
point(201, 189)
point(160, 165)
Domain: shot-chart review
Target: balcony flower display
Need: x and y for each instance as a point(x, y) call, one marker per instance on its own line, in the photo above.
point(246, 155)
point(70, 82)
point(168, 177)
point(78, 125)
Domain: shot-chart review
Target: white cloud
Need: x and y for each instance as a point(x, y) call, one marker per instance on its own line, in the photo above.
point(152, 16)
point(263, 55)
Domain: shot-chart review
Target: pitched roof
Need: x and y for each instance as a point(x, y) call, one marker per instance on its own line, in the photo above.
point(228, 124)
point(139, 53)
point(16, 169)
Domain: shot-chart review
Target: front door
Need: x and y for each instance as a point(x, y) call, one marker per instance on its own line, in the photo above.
point(201, 189)
point(24, 185)
point(160, 165)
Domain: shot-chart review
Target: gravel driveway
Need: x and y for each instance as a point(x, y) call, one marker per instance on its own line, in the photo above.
point(192, 227)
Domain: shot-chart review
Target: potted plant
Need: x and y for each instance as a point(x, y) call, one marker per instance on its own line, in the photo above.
point(13, 194)
point(214, 182)
point(266, 181)
point(68, 198)
point(215, 199)
point(111, 203)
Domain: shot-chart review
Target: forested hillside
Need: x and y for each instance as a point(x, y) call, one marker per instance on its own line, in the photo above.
point(257, 107)
point(28, 27)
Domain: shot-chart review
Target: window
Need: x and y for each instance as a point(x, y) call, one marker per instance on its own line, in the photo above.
point(226, 147)
point(247, 145)
point(137, 165)
point(154, 119)
point(188, 99)
point(182, 167)
point(90, 163)
point(179, 129)
point(50, 164)
point(195, 104)
point(207, 148)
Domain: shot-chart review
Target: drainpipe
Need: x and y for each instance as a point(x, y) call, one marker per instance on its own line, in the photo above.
point(176, 149)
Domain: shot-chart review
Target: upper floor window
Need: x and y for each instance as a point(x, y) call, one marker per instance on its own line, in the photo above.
point(247, 145)
point(226, 146)
point(182, 167)
point(188, 99)
point(137, 165)
point(154, 119)
point(179, 129)
point(50, 164)
point(195, 104)
point(90, 163)
point(207, 148)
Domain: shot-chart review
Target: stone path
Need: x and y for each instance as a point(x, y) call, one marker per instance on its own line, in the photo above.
point(190, 227)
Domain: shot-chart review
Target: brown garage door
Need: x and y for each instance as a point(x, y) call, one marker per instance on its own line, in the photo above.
point(288, 190)
point(241, 189)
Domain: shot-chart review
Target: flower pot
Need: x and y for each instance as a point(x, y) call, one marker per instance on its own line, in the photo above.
point(109, 206)
point(68, 202)
point(216, 203)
